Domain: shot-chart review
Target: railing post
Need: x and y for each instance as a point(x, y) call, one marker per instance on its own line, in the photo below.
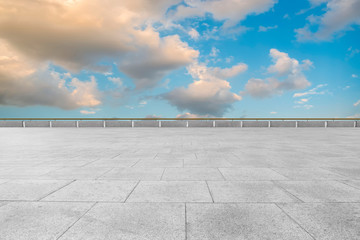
point(214, 123)
point(77, 124)
point(187, 123)
point(104, 123)
point(50, 124)
point(159, 124)
point(296, 124)
point(326, 124)
point(23, 124)
point(269, 124)
point(241, 124)
point(132, 123)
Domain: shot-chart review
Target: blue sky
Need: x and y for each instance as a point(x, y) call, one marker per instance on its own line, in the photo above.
point(174, 58)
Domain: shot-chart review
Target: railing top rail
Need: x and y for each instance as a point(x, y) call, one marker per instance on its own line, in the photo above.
point(164, 119)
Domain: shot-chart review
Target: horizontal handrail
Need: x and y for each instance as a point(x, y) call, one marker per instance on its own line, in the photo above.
point(185, 119)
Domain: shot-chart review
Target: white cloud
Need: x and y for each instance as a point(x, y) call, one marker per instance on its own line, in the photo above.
point(194, 34)
point(339, 16)
point(306, 106)
point(190, 115)
point(311, 91)
point(78, 35)
point(86, 112)
point(354, 76)
point(273, 112)
point(288, 76)
point(357, 103)
point(214, 52)
point(354, 116)
point(265, 29)
point(209, 94)
point(302, 101)
point(229, 11)
point(24, 82)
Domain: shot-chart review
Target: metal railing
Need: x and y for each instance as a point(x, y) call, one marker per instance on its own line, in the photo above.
point(183, 119)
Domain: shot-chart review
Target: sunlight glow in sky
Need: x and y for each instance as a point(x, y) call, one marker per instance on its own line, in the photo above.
point(180, 58)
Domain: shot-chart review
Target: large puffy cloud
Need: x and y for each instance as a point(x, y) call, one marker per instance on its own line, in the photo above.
point(288, 76)
point(24, 82)
point(209, 94)
point(151, 64)
point(232, 11)
point(78, 34)
point(339, 16)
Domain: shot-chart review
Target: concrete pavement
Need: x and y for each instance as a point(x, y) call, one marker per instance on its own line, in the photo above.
point(179, 183)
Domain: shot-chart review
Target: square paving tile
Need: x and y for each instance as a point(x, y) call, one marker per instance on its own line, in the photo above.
point(97, 190)
point(185, 174)
point(322, 191)
point(240, 221)
point(171, 191)
point(160, 163)
point(251, 174)
point(128, 162)
point(248, 191)
point(327, 221)
point(207, 163)
point(38, 220)
point(131, 221)
point(134, 173)
point(76, 173)
point(29, 189)
point(348, 172)
point(307, 174)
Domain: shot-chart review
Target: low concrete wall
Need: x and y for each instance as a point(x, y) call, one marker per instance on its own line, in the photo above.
point(11, 124)
point(223, 123)
point(311, 123)
point(255, 124)
point(117, 123)
point(37, 123)
point(357, 123)
point(199, 123)
point(173, 123)
point(340, 124)
point(91, 123)
point(282, 123)
point(63, 123)
point(146, 123)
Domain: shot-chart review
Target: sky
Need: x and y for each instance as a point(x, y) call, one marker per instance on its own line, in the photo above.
point(180, 58)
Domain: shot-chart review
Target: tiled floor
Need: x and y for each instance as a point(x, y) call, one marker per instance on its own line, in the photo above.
point(194, 184)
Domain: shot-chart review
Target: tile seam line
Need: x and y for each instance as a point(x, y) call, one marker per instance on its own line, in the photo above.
point(286, 191)
point(127, 197)
point(56, 190)
point(185, 222)
point(212, 198)
point(103, 174)
point(347, 184)
point(91, 207)
point(292, 219)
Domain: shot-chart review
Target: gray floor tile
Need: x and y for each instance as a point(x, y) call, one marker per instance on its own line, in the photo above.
point(240, 221)
point(185, 174)
point(162, 163)
point(171, 191)
point(322, 191)
point(76, 173)
point(327, 221)
point(248, 191)
point(29, 189)
point(131, 221)
point(307, 174)
point(348, 172)
point(207, 163)
point(134, 173)
point(251, 174)
point(97, 190)
point(38, 220)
